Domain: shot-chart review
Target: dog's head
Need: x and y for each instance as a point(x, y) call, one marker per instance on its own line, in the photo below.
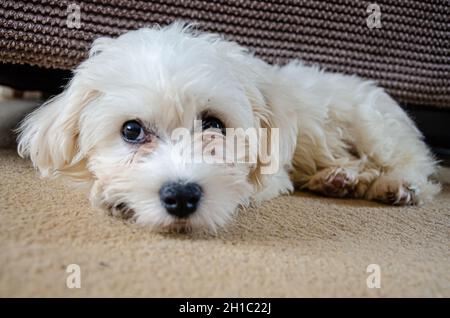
point(117, 126)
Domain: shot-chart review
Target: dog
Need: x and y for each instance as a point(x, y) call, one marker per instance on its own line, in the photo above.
point(110, 129)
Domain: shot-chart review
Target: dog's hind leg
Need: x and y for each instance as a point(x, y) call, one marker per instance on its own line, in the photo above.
point(402, 186)
point(393, 144)
point(403, 183)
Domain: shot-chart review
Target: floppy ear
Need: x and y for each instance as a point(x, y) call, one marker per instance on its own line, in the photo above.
point(262, 122)
point(49, 135)
point(251, 73)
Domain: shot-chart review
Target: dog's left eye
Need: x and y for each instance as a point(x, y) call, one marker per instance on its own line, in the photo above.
point(132, 131)
point(213, 123)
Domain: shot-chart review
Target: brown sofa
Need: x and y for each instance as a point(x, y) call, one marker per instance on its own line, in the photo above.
point(409, 54)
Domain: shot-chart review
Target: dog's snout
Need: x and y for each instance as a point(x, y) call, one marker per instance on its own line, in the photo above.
point(180, 199)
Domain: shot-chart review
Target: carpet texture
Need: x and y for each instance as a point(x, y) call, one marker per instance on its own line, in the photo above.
point(302, 245)
point(409, 54)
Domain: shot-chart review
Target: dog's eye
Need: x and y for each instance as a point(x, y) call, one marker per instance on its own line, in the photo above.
point(132, 131)
point(213, 123)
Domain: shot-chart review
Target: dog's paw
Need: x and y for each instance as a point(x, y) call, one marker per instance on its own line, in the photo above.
point(273, 186)
point(334, 182)
point(393, 191)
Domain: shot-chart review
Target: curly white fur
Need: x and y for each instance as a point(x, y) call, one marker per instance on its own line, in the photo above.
point(339, 135)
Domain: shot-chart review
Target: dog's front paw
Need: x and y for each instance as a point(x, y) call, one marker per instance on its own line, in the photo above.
point(334, 182)
point(272, 186)
point(393, 191)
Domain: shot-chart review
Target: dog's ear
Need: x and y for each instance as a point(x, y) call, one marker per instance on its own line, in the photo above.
point(49, 135)
point(252, 73)
point(262, 116)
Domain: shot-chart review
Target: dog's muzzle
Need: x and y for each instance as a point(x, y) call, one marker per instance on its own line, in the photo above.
point(180, 199)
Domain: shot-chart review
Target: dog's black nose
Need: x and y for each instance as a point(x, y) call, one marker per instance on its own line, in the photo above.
point(180, 199)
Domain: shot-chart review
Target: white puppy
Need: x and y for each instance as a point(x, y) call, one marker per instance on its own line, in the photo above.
point(112, 129)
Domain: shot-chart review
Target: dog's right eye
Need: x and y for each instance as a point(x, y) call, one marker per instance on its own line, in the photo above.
point(210, 122)
point(132, 131)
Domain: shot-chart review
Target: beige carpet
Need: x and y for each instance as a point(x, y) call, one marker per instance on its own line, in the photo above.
point(301, 245)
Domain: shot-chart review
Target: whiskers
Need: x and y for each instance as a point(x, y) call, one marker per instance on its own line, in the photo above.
point(121, 210)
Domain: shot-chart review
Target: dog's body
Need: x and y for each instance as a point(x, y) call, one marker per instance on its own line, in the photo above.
point(352, 139)
point(338, 135)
